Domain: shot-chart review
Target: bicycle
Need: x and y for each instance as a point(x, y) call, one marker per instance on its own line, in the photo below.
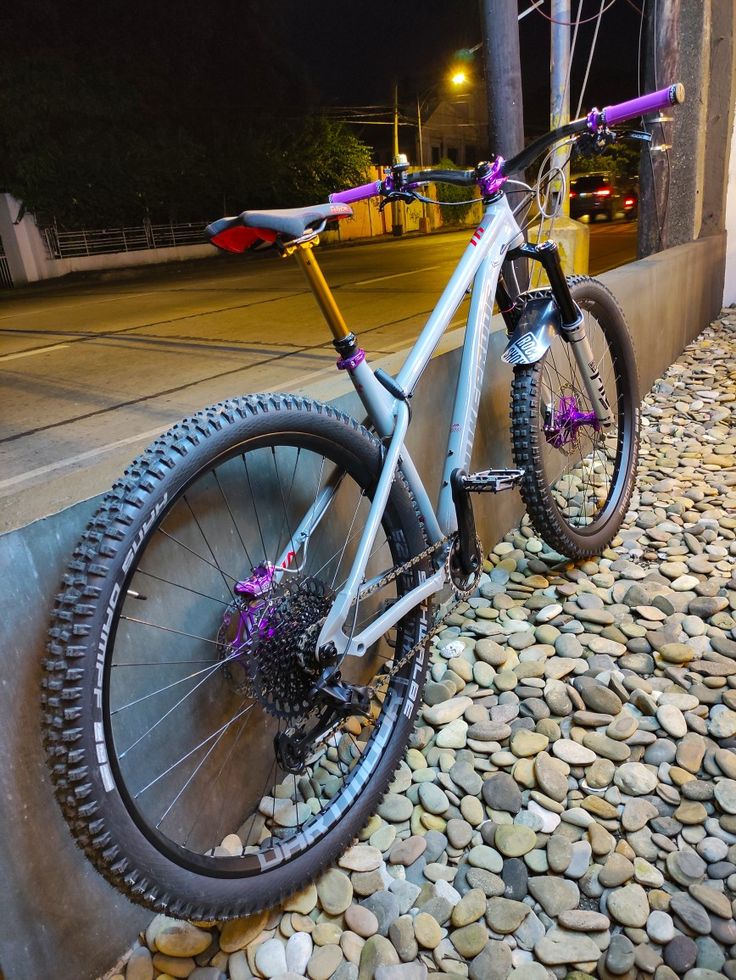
point(239, 648)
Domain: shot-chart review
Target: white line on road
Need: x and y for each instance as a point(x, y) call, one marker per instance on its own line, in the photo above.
point(79, 458)
point(60, 464)
point(31, 353)
point(396, 275)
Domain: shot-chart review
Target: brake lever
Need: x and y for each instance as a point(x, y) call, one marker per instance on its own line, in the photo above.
point(406, 196)
point(593, 144)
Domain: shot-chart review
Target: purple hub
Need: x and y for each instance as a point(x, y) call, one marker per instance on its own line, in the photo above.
point(252, 624)
point(252, 618)
point(562, 429)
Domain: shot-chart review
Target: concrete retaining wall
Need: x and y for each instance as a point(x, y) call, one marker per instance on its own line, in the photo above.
point(58, 918)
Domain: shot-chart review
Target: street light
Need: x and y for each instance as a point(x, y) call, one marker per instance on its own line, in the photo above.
point(458, 78)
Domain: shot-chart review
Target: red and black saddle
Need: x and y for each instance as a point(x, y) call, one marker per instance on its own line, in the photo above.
point(287, 224)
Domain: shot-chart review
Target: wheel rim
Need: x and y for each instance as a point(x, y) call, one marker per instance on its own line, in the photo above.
point(583, 466)
point(189, 728)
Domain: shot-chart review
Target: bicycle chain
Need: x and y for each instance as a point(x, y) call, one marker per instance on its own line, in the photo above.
point(458, 595)
point(442, 613)
point(445, 610)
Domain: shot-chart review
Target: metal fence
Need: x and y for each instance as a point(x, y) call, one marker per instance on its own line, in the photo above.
point(101, 241)
point(6, 280)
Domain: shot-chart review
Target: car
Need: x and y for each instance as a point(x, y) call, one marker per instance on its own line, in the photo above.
point(630, 204)
point(601, 193)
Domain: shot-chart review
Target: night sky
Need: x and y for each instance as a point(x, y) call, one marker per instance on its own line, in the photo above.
point(354, 50)
point(324, 53)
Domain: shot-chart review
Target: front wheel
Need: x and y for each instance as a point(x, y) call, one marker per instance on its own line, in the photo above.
point(189, 750)
point(578, 479)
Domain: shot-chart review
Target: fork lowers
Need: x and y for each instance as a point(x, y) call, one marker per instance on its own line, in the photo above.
point(573, 326)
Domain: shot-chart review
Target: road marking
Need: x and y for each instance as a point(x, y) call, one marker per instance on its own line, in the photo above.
point(13, 481)
point(31, 353)
point(79, 458)
point(396, 275)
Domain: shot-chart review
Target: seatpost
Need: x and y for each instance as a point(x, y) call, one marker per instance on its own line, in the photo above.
point(304, 254)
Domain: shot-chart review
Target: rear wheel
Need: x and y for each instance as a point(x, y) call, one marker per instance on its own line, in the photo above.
point(578, 479)
point(180, 688)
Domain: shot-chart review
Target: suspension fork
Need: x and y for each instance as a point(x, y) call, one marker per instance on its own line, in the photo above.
point(572, 324)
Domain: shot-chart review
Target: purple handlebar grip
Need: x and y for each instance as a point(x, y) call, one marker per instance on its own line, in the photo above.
point(361, 193)
point(665, 97)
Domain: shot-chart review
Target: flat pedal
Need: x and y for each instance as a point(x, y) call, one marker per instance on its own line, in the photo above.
point(491, 481)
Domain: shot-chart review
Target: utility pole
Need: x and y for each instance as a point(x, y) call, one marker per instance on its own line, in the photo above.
point(503, 76)
point(502, 68)
point(560, 86)
point(396, 215)
point(655, 183)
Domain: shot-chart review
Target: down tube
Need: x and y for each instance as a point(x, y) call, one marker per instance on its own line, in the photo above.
point(469, 382)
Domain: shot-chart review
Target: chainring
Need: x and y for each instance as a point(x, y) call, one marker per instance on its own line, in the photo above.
point(463, 583)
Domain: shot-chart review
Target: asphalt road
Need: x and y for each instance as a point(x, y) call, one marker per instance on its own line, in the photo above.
point(612, 243)
point(91, 371)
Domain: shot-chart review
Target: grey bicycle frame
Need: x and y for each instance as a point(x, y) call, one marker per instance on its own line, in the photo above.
point(478, 267)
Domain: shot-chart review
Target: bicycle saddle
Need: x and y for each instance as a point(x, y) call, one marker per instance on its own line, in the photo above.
point(239, 233)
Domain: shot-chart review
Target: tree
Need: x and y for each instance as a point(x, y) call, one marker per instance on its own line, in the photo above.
point(112, 113)
point(621, 159)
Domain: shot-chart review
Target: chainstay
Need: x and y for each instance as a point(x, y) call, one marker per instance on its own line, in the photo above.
point(390, 576)
point(443, 612)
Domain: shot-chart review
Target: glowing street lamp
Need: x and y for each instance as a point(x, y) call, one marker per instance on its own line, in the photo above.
point(458, 78)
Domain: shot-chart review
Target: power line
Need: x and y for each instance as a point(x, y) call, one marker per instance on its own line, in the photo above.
point(590, 57)
point(574, 23)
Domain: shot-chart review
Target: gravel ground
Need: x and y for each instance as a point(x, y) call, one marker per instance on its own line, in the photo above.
point(567, 807)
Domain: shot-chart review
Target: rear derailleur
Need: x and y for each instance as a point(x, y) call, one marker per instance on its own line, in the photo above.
point(337, 701)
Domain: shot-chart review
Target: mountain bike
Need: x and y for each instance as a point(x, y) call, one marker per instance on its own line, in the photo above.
point(240, 642)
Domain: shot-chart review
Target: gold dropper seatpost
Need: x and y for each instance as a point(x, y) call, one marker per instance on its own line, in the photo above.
point(306, 258)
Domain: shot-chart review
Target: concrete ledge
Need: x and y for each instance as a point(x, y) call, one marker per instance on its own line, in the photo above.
point(124, 260)
point(59, 918)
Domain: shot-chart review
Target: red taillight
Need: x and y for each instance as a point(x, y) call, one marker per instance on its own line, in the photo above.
point(603, 192)
point(629, 202)
point(573, 193)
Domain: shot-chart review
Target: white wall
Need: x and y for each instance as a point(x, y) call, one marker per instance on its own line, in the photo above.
point(729, 284)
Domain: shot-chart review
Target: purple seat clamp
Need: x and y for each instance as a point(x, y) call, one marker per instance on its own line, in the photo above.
point(350, 363)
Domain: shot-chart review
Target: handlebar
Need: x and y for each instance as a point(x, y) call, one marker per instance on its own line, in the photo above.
point(653, 102)
point(353, 194)
point(490, 177)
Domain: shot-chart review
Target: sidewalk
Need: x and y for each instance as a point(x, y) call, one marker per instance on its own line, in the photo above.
point(580, 819)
